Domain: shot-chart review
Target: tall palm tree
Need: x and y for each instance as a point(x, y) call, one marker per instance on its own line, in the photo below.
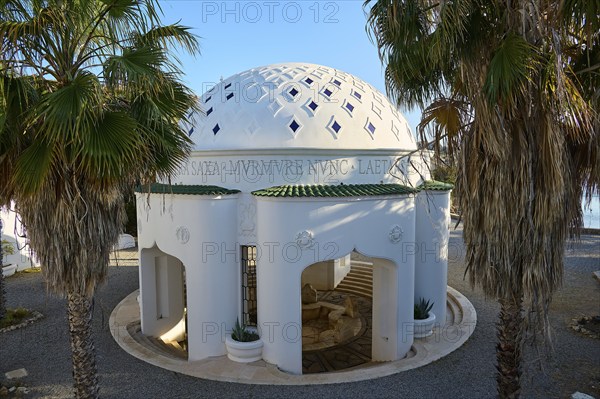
point(512, 90)
point(90, 104)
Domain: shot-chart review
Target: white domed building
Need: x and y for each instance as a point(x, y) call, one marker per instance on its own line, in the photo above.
point(295, 166)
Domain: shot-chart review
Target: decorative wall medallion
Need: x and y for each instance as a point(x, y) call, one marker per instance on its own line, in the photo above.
point(182, 234)
point(305, 239)
point(396, 234)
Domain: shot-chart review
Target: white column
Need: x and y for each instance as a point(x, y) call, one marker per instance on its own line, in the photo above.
point(280, 313)
point(431, 261)
point(385, 308)
point(212, 300)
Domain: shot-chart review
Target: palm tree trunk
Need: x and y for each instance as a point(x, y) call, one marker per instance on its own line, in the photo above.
point(509, 347)
point(85, 372)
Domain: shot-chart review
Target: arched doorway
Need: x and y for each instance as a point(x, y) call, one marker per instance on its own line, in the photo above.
point(163, 307)
point(338, 310)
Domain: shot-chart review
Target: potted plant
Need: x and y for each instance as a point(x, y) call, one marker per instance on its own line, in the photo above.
point(243, 344)
point(424, 319)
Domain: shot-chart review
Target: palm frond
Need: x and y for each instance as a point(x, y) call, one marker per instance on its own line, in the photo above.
point(510, 69)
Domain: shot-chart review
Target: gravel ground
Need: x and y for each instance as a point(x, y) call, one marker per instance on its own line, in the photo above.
point(469, 372)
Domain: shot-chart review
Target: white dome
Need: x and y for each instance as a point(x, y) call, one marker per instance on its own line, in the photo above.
point(295, 106)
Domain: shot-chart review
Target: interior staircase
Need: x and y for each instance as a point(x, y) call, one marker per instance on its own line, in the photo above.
point(359, 280)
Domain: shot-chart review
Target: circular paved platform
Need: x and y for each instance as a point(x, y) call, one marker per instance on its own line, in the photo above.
point(460, 324)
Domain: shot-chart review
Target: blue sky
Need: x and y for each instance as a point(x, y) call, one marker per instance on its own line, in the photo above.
point(239, 35)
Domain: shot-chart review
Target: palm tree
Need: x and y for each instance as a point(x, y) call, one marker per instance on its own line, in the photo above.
point(512, 91)
point(90, 104)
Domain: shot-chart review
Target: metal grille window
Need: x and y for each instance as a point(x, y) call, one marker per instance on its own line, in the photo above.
point(249, 313)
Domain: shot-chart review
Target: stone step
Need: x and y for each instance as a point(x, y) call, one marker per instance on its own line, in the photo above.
point(362, 269)
point(357, 285)
point(361, 263)
point(358, 281)
point(360, 273)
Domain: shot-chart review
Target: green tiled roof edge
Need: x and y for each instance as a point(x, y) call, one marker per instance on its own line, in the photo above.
point(435, 185)
point(158, 188)
point(342, 190)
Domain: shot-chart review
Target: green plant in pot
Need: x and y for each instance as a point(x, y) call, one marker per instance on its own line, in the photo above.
point(422, 309)
point(424, 318)
point(241, 333)
point(243, 344)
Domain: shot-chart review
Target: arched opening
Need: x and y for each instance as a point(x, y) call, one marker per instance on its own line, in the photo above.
point(341, 299)
point(163, 302)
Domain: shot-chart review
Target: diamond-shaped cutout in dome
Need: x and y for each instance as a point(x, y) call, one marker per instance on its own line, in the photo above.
point(216, 129)
point(348, 107)
point(311, 107)
point(370, 127)
point(294, 126)
point(334, 127)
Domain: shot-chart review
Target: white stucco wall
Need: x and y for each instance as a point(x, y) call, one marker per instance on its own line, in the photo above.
point(431, 260)
point(201, 231)
point(12, 232)
point(337, 226)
